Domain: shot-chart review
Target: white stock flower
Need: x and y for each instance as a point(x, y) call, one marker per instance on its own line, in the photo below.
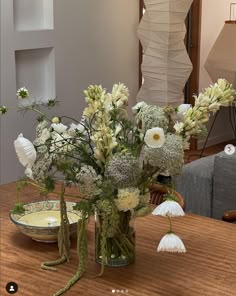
point(118, 129)
point(25, 151)
point(119, 95)
point(171, 243)
point(154, 137)
point(179, 127)
point(59, 127)
point(169, 208)
point(138, 107)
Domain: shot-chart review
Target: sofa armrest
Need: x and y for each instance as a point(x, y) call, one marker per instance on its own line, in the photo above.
point(224, 184)
point(229, 216)
point(195, 185)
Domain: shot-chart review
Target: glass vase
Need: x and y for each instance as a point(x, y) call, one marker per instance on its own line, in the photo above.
point(118, 248)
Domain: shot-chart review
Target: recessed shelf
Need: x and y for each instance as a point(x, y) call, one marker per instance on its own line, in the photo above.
point(35, 69)
point(33, 15)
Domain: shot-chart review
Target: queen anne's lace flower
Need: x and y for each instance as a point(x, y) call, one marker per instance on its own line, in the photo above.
point(42, 166)
point(25, 151)
point(171, 243)
point(127, 199)
point(152, 116)
point(169, 208)
point(124, 170)
point(169, 157)
point(89, 181)
point(154, 137)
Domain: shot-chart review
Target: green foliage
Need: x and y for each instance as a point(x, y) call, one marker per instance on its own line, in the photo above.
point(49, 183)
point(18, 208)
point(21, 184)
point(170, 196)
point(3, 110)
point(51, 103)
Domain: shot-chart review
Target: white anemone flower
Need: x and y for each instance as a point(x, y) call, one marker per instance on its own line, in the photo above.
point(154, 137)
point(138, 107)
point(169, 208)
point(59, 127)
point(171, 243)
point(25, 151)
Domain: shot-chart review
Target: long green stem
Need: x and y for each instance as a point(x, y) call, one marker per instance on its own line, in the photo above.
point(63, 236)
point(170, 224)
point(82, 250)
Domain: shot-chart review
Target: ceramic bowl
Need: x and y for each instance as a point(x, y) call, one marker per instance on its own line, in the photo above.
point(41, 220)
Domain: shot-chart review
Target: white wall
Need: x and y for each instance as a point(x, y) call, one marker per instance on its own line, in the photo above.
point(93, 42)
point(214, 14)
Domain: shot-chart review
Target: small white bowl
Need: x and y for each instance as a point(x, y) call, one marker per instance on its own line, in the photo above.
point(41, 220)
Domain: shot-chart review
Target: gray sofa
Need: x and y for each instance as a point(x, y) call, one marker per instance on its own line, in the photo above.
point(208, 185)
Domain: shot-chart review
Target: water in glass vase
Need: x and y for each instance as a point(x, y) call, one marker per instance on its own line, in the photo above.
point(115, 246)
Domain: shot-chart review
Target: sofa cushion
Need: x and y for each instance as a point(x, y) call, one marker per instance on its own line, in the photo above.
point(224, 184)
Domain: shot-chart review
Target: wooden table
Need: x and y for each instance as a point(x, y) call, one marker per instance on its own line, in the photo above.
point(208, 268)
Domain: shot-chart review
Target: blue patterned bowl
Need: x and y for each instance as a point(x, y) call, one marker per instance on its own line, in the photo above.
point(41, 220)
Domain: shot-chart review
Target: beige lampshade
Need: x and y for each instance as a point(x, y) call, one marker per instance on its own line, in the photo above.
point(221, 61)
point(166, 65)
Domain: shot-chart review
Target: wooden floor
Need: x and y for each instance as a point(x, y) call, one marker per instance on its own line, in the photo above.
point(196, 154)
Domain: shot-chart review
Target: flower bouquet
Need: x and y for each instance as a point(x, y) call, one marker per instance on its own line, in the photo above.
point(112, 161)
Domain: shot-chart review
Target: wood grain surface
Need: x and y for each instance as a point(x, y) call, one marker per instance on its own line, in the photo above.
point(208, 268)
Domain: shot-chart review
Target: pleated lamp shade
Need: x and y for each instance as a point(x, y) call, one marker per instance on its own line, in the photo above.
point(166, 65)
point(221, 61)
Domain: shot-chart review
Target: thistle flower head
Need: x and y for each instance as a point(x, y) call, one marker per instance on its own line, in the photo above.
point(22, 93)
point(3, 110)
